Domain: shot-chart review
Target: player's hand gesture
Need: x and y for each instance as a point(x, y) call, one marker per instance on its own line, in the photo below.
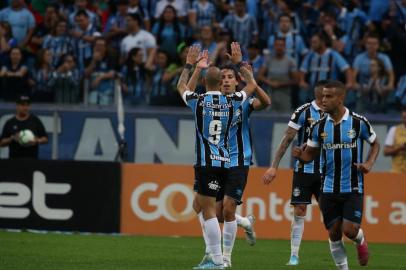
point(193, 54)
point(269, 176)
point(363, 167)
point(236, 55)
point(203, 61)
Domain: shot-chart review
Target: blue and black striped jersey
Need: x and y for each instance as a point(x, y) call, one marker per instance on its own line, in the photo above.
point(213, 114)
point(240, 137)
point(341, 146)
point(301, 120)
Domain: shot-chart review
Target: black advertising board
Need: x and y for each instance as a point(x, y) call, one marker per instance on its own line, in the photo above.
point(60, 195)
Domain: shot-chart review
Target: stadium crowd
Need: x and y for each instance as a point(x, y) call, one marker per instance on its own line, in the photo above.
point(54, 49)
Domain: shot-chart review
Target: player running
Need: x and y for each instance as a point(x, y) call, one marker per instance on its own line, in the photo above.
point(306, 177)
point(339, 135)
point(213, 113)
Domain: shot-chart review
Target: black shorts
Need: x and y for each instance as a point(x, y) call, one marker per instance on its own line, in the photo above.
point(209, 180)
point(304, 185)
point(235, 184)
point(344, 206)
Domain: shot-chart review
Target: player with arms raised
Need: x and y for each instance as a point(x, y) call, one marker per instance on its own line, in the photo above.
point(213, 114)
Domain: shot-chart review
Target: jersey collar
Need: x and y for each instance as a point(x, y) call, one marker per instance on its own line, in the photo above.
point(314, 104)
point(345, 116)
point(213, 93)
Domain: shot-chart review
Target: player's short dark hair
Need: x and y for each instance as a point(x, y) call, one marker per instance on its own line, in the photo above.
point(135, 17)
point(322, 83)
point(230, 67)
point(81, 13)
point(339, 86)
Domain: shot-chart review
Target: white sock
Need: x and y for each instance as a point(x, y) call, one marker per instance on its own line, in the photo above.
point(201, 219)
point(359, 238)
point(296, 234)
point(229, 233)
point(242, 221)
point(213, 234)
point(338, 252)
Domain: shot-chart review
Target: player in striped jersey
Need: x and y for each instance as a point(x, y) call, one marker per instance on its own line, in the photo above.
point(240, 148)
point(306, 177)
point(340, 135)
point(213, 113)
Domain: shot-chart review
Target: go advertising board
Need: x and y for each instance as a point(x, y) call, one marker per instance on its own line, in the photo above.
point(157, 200)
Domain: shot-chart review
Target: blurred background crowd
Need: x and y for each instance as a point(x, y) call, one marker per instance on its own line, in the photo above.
point(75, 51)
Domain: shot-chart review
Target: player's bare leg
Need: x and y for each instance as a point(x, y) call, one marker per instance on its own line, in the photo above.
point(355, 233)
point(337, 245)
point(296, 232)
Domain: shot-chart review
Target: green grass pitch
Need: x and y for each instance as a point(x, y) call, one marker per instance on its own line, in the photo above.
point(75, 252)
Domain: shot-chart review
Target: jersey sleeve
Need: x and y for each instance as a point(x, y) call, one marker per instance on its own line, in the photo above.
point(297, 120)
point(341, 62)
point(313, 140)
point(238, 98)
point(390, 137)
point(367, 133)
point(190, 98)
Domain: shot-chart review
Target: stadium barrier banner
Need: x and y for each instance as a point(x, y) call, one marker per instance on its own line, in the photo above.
point(157, 200)
point(60, 195)
point(153, 135)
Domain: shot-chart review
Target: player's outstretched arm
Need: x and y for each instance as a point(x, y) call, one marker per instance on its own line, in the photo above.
point(287, 139)
point(305, 153)
point(262, 100)
point(191, 60)
point(202, 63)
point(372, 156)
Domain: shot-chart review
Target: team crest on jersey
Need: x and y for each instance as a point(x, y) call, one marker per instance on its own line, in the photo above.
point(296, 192)
point(351, 133)
point(311, 121)
point(324, 135)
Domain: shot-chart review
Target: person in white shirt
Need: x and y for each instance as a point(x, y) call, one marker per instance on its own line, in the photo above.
point(137, 38)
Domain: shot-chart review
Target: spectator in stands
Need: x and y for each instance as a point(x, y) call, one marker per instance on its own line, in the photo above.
point(401, 91)
point(375, 92)
point(202, 13)
point(23, 120)
point(134, 78)
point(65, 80)
point(116, 26)
point(21, 20)
point(169, 32)
point(288, 7)
point(353, 21)
point(295, 46)
point(58, 42)
point(361, 67)
point(14, 76)
point(243, 27)
point(80, 6)
point(395, 145)
point(322, 63)
point(161, 82)
point(41, 92)
point(137, 38)
point(181, 7)
point(6, 41)
point(44, 28)
point(328, 24)
point(83, 37)
point(255, 58)
point(208, 42)
point(279, 74)
point(101, 73)
point(136, 7)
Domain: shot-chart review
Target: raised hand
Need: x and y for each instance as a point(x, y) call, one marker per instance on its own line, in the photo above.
point(203, 60)
point(192, 55)
point(236, 55)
